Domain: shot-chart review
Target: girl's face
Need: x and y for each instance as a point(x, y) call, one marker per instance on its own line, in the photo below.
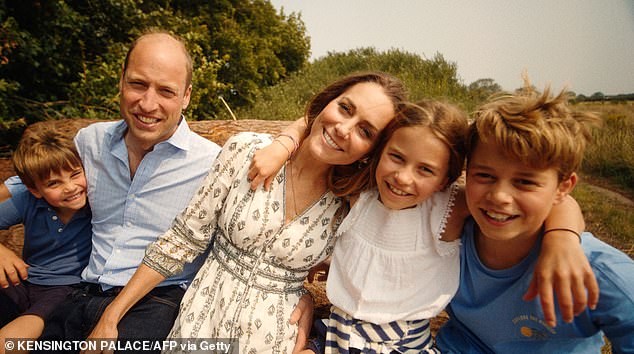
point(413, 166)
point(349, 126)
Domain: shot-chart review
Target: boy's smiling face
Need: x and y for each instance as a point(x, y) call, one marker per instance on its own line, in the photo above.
point(508, 199)
point(65, 190)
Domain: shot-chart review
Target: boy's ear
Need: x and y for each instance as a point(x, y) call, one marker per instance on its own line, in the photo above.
point(35, 192)
point(565, 187)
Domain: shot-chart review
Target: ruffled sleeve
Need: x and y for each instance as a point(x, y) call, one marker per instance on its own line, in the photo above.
point(436, 211)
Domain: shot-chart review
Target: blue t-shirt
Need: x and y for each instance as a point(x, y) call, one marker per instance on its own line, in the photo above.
point(488, 315)
point(56, 253)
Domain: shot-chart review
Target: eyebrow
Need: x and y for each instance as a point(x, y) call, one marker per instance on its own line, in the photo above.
point(354, 106)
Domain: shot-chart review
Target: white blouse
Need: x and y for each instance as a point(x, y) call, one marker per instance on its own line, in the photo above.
point(391, 265)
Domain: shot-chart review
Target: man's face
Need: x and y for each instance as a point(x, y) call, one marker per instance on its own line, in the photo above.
point(153, 90)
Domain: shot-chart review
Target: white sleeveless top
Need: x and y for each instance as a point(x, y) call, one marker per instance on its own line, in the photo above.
point(390, 265)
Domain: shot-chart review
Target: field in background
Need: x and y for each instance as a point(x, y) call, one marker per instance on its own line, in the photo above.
point(606, 190)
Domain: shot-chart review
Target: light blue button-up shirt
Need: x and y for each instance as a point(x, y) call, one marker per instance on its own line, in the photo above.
point(128, 214)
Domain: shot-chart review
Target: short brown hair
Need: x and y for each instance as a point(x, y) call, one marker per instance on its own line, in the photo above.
point(340, 175)
point(537, 129)
point(181, 41)
point(42, 151)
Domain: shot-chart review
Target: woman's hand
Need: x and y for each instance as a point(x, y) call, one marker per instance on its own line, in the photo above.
point(302, 315)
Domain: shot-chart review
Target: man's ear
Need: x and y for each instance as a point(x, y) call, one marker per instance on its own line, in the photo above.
point(121, 77)
point(35, 192)
point(187, 96)
point(565, 187)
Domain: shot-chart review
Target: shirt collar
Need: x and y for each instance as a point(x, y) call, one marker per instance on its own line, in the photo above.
point(180, 138)
point(41, 203)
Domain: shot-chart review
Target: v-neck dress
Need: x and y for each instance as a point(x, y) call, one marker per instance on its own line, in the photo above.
point(253, 276)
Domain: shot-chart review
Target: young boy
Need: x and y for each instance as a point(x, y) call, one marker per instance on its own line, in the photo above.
point(57, 231)
point(523, 151)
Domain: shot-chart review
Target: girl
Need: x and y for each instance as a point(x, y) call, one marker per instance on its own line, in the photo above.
point(396, 262)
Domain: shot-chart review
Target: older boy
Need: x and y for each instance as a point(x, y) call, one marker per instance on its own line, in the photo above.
point(523, 151)
point(57, 232)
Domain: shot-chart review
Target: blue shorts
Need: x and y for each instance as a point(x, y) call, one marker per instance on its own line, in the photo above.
point(31, 299)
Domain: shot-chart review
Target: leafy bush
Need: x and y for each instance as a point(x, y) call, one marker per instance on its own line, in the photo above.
point(424, 78)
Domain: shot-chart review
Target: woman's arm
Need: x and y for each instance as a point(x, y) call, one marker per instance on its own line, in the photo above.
point(562, 266)
point(270, 159)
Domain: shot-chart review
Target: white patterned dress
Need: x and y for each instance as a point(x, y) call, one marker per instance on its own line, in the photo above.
point(253, 276)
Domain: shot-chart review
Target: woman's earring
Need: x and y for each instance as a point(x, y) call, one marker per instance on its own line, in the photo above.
point(362, 162)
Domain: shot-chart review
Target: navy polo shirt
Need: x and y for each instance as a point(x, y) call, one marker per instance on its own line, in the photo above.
point(56, 253)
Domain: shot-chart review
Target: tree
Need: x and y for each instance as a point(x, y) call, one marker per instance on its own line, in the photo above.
point(597, 96)
point(62, 58)
point(482, 89)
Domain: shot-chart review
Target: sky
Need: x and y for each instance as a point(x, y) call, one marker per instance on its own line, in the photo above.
point(584, 45)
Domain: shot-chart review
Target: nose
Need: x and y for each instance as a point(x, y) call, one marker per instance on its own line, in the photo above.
point(149, 100)
point(69, 187)
point(499, 194)
point(403, 176)
point(343, 129)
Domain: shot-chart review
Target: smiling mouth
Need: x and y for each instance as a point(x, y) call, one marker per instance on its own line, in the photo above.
point(330, 142)
point(499, 217)
point(146, 120)
point(74, 197)
point(396, 190)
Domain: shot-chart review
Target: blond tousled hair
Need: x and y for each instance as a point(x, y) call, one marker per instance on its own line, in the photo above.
point(535, 128)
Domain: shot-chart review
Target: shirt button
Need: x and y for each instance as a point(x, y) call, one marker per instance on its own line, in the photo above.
point(54, 217)
point(60, 230)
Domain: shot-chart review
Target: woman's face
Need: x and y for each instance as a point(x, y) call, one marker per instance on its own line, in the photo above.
point(350, 125)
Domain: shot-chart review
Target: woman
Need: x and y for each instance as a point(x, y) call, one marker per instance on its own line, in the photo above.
point(265, 242)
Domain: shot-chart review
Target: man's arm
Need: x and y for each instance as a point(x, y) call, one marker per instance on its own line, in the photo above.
point(12, 267)
point(141, 283)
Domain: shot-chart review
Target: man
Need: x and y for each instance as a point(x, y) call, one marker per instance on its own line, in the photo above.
point(141, 172)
